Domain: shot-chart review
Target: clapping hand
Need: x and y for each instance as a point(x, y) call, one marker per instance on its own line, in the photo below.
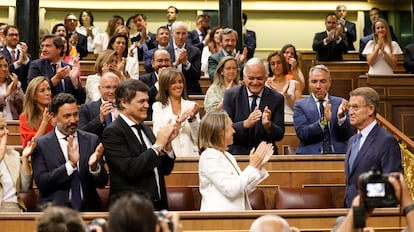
point(258, 157)
point(95, 157)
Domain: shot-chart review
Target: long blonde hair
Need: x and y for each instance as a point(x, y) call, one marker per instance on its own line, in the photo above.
point(388, 39)
point(211, 130)
point(30, 107)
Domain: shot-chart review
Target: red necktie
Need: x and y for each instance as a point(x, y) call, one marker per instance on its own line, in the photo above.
point(13, 55)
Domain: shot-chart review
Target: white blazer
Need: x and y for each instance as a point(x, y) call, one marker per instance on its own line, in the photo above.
point(185, 144)
point(223, 186)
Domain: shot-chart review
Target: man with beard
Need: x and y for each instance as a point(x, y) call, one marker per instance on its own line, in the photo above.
point(197, 36)
point(95, 116)
point(67, 162)
point(163, 40)
point(161, 59)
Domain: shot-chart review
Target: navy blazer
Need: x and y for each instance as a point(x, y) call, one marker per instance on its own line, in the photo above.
point(150, 79)
point(193, 38)
point(148, 58)
point(306, 121)
point(350, 34)
point(192, 75)
point(50, 175)
point(131, 165)
point(89, 119)
point(409, 58)
point(42, 67)
point(23, 69)
point(332, 51)
point(236, 104)
point(250, 43)
point(149, 44)
point(380, 149)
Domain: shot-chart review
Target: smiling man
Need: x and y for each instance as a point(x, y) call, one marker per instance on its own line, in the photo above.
point(137, 160)
point(321, 120)
point(256, 110)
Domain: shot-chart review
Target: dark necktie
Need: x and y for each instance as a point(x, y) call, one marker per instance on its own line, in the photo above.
point(354, 150)
point(139, 128)
point(254, 102)
point(326, 144)
point(13, 55)
point(76, 201)
point(108, 119)
point(53, 66)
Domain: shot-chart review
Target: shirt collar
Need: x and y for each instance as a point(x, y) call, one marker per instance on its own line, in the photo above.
point(60, 135)
point(317, 100)
point(368, 129)
point(250, 93)
point(128, 121)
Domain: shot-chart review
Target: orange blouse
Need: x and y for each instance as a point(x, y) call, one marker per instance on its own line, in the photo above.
point(26, 132)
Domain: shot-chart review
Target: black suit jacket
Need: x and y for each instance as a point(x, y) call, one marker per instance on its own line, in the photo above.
point(42, 67)
point(50, 175)
point(149, 44)
point(131, 165)
point(350, 34)
point(150, 79)
point(236, 104)
point(409, 58)
point(89, 119)
point(380, 149)
point(332, 51)
point(22, 71)
point(250, 43)
point(193, 38)
point(192, 75)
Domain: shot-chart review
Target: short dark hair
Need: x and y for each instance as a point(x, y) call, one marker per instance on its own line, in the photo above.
point(57, 41)
point(90, 15)
point(244, 17)
point(7, 28)
point(330, 14)
point(175, 8)
point(141, 15)
point(132, 211)
point(127, 90)
point(112, 41)
point(59, 100)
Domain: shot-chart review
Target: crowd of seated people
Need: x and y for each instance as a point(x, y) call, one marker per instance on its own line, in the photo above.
point(254, 109)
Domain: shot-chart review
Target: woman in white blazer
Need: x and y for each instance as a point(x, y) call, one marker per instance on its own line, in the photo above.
point(172, 107)
point(223, 185)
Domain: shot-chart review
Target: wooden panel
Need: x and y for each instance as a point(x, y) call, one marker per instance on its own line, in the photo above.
point(386, 219)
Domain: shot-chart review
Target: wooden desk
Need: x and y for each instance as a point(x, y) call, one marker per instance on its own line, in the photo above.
point(386, 219)
point(13, 138)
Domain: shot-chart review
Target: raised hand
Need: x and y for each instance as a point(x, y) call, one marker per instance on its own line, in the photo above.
point(343, 108)
point(253, 118)
point(73, 151)
point(95, 157)
point(28, 150)
point(267, 119)
point(327, 112)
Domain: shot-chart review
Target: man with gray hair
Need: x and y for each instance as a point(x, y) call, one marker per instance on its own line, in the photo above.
point(321, 120)
point(185, 57)
point(270, 223)
point(256, 110)
point(349, 27)
point(228, 38)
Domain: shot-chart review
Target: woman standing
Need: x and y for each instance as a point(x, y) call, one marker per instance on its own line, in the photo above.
point(87, 28)
point(381, 52)
point(290, 89)
point(35, 120)
point(127, 64)
point(226, 76)
point(101, 40)
point(11, 94)
point(213, 46)
point(294, 72)
point(172, 107)
point(223, 185)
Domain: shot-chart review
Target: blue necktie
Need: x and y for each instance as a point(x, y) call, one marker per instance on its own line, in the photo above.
point(254, 102)
point(76, 192)
point(108, 119)
point(354, 151)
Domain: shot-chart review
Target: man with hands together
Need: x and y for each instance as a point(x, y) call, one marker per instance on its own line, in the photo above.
point(256, 110)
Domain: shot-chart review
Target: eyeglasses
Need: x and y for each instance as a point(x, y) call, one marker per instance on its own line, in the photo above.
point(355, 107)
point(163, 60)
point(71, 20)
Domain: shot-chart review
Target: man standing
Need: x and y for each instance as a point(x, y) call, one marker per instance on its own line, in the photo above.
point(321, 121)
point(63, 78)
point(78, 40)
point(145, 39)
point(163, 40)
point(185, 57)
point(16, 53)
point(249, 38)
point(256, 110)
point(330, 44)
point(197, 36)
point(348, 27)
point(228, 38)
point(409, 58)
point(95, 116)
point(172, 15)
point(137, 159)
point(67, 162)
point(161, 59)
point(372, 146)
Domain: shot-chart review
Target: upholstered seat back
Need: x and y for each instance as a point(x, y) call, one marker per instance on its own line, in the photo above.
point(303, 198)
point(180, 198)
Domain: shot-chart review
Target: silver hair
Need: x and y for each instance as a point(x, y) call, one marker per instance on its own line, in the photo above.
point(227, 31)
point(341, 5)
point(254, 61)
point(179, 24)
point(320, 67)
point(258, 223)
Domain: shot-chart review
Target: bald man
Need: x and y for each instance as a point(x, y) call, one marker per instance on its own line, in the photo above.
point(271, 223)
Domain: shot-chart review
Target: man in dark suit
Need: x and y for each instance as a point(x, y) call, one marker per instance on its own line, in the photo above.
point(77, 39)
point(249, 38)
point(185, 57)
point(197, 36)
point(67, 162)
point(409, 58)
point(372, 146)
point(161, 59)
point(163, 40)
point(321, 120)
point(144, 39)
point(95, 116)
point(228, 38)
point(63, 78)
point(256, 110)
point(330, 44)
point(137, 160)
point(349, 27)
point(16, 54)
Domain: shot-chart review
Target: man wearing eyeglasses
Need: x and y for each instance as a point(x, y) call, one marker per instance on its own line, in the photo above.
point(372, 146)
point(77, 39)
point(95, 116)
point(321, 120)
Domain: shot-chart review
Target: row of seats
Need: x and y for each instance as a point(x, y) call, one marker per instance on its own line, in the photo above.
point(187, 198)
